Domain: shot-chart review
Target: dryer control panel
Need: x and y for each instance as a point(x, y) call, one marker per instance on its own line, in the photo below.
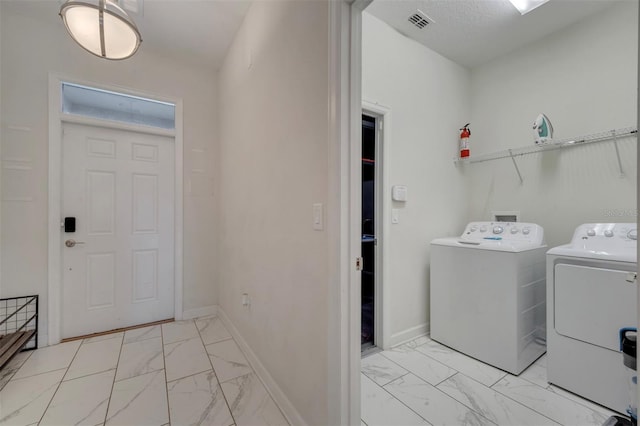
point(504, 231)
point(606, 237)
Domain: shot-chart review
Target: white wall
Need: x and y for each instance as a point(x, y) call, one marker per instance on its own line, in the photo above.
point(427, 95)
point(31, 48)
point(584, 78)
point(273, 141)
point(0, 150)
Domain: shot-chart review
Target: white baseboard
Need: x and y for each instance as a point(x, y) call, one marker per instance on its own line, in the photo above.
point(200, 312)
point(43, 340)
point(287, 408)
point(409, 334)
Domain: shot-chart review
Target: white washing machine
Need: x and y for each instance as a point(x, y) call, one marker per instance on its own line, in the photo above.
point(488, 293)
point(591, 294)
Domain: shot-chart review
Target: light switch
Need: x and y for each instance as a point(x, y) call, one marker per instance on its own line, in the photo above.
point(318, 223)
point(395, 216)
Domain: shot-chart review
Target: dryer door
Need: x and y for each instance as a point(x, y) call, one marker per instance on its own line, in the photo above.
point(592, 304)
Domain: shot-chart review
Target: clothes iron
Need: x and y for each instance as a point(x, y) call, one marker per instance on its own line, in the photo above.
point(542, 130)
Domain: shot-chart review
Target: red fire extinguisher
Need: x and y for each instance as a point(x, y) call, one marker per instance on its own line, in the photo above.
point(465, 133)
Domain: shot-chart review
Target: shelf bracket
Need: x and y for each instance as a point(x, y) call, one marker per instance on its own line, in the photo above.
point(516, 166)
point(615, 144)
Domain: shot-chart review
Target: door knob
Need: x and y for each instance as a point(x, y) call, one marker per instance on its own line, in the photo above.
point(72, 243)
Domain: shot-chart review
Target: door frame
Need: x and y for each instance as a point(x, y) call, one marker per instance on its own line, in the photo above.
point(382, 114)
point(56, 120)
point(344, 210)
point(345, 79)
point(345, 57)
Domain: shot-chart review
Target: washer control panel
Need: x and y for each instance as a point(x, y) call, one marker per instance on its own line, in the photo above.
point(605, 236)
point(504, 231)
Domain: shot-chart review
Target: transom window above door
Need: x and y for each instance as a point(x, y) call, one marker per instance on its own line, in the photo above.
point(108, 105)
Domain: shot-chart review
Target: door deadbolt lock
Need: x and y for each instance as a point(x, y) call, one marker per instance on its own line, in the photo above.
point(72, 243)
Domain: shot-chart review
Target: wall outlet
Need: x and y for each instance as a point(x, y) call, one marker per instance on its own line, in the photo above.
point(245, 300)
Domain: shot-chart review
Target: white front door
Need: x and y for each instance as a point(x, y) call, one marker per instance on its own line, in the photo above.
point(119, 185)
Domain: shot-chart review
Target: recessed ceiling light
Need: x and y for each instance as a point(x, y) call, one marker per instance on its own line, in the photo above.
point(526, 6)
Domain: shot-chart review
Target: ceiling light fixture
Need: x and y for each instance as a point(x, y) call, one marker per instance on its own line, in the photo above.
point(526, 6)
point(101, 27)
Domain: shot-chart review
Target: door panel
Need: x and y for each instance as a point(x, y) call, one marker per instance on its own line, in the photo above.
point(120, 187)
point(101, 280)
point(592, 304)
point(145, 204)
point(145, 268)
point(101, 203)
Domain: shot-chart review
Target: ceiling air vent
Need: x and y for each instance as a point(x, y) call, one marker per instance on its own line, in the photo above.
point(419, 19)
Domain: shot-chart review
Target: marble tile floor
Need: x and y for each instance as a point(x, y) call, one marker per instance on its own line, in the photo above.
point(424, 382)
point(180, 373)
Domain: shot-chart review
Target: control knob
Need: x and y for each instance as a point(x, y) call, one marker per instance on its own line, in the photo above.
point(633, 234)
point(473, 228)
point(483, 229)
point(608, 233)
point(514, 230)
point(498, 229)
point(526, 231)
point(591, 232)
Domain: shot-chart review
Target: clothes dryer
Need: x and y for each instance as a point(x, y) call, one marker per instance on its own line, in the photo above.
point(591, 295)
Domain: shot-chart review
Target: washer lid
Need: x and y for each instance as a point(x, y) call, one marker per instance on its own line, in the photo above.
point(607, 241)
point(495, 245)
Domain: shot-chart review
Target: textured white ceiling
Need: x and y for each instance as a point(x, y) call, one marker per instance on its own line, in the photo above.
point(196, 30)
point(203, 29)
point(473, 32)
point(470, 32)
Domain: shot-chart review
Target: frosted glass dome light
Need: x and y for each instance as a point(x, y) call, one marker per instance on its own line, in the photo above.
point(101, 27)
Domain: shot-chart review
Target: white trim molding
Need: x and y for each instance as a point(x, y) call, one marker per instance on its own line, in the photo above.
point(343, 334)
point(281, 400)
point(179, 211)
point(344, 210)
point(54, 284)
point(638, 198)
point(56, 118)
point(109, 124)
point(408, 335)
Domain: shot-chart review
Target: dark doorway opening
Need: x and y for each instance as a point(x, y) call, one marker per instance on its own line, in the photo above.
point(368, 230)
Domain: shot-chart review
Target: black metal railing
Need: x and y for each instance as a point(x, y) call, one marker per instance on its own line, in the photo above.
point(18, 326)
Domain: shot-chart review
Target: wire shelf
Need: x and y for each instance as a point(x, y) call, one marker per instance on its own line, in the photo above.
point(553, 145)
